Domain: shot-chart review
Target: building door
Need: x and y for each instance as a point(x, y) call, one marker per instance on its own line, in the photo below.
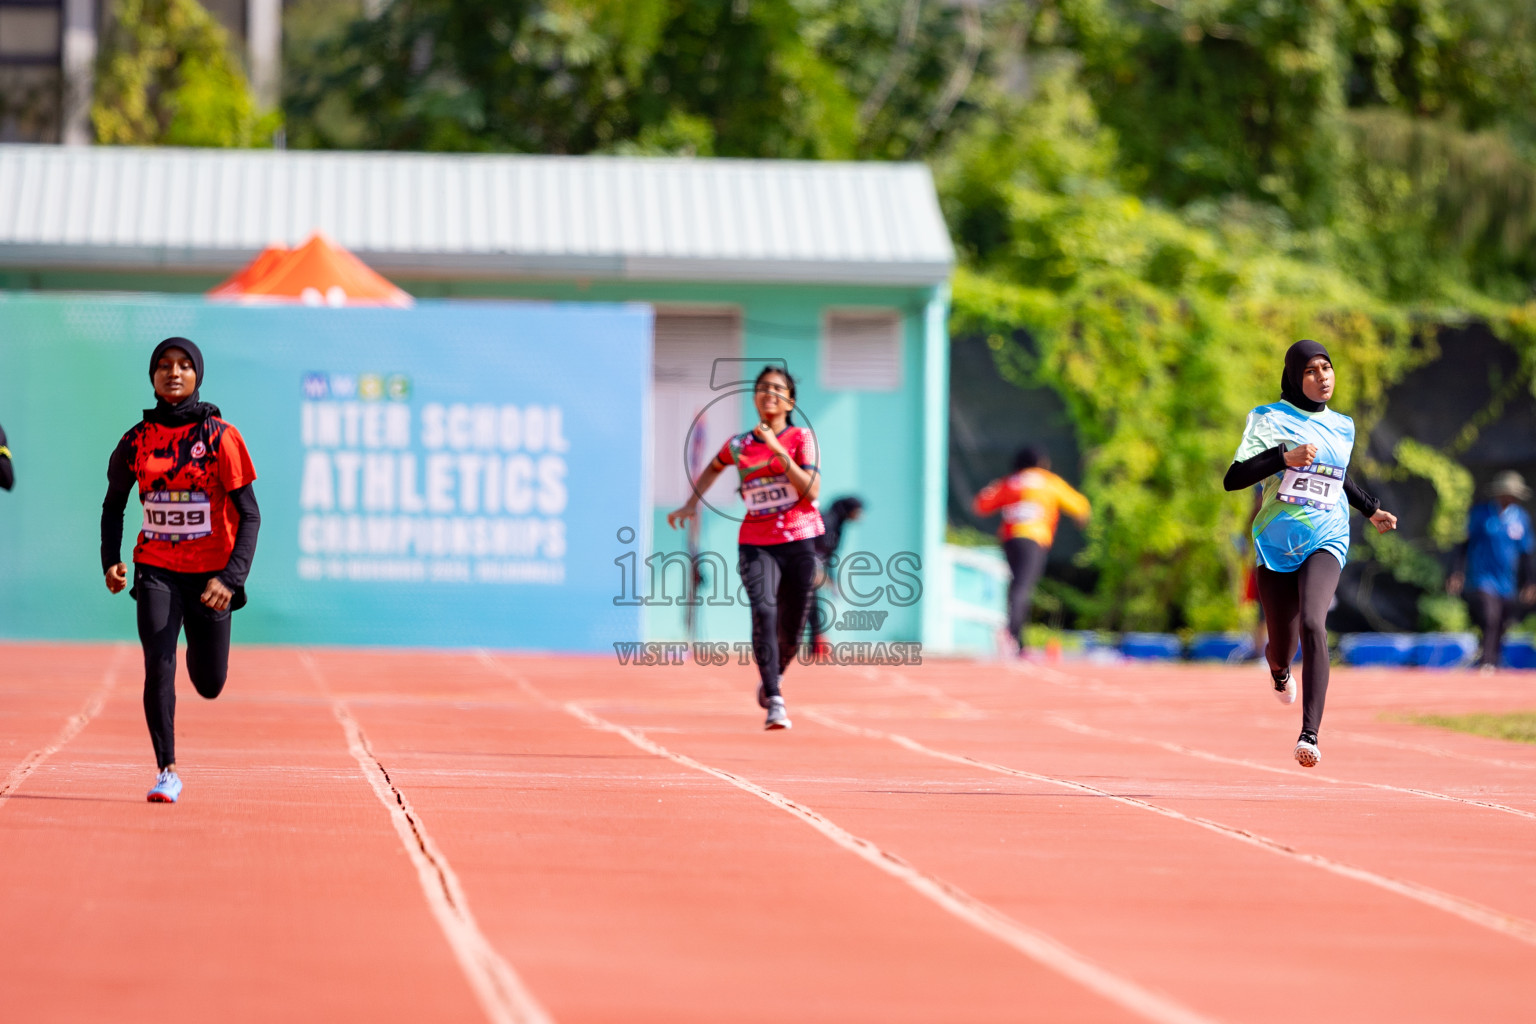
point(688, 344)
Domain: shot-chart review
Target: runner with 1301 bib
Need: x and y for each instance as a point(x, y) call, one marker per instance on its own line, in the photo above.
point(780, 479)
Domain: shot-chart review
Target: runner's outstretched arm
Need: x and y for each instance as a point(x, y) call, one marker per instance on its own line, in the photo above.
point(120, 481)
point(239, 565)
point(1360, 498)
point(7, 471)
point(1242, 475)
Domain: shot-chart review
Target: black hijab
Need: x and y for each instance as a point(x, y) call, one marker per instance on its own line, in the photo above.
point(835, 519)
point(189, 409)
point(1296, 359)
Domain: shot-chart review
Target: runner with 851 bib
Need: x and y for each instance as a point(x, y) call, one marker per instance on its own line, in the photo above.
point(1300, 449)
point(194, 550)
point(780, 479)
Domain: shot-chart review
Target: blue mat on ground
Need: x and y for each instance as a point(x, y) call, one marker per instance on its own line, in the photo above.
point(1519, 652)
point(1229, 647)
point(1388, 649)
point(1151, 646)
point(1443, 650)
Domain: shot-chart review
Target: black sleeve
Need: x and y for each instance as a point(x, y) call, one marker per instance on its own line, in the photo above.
point(120, 483)
point(7, 471)
point(1459, 558)
point(1242, 475)
point(1359, 498)
point(239, 565)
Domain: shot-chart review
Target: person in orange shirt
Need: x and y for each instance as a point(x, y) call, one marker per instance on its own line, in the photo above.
point(1031, 501)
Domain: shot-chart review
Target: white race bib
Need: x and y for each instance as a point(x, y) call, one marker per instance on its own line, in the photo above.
point(177, 515)
point(1023, 512)
point(769, 494)
point(1318, 485)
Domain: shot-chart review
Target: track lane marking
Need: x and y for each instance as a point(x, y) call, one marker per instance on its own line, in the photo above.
point(1062, 722)
point(956, 708)
point(1517, 928)
point(71, 728)
point(497, 987)
point(1038, 946)
point(1418, 748)
point(1095, 684)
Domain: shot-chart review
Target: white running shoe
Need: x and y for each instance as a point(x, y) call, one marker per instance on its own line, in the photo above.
point(778, 718)
point(1285, 689)
point(1307, 754)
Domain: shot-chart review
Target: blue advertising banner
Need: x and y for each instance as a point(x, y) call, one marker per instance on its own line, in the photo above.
point(448, 475)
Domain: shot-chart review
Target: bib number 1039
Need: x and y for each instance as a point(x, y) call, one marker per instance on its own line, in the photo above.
point(177, 515)
point(1317, 486)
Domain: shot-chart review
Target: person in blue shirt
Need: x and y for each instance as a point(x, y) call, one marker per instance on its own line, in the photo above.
point(1299, 449)
point(1496, 566)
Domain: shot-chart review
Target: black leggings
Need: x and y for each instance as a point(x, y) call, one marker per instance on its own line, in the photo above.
point(1297, 602)
point(1491, 613)
point(780, 580)
point(1026, 559)
point(167, 602)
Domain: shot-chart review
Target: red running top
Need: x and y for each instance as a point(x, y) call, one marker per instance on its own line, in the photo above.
point(776, 512)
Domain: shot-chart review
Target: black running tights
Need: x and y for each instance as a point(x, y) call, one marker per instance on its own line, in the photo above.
point(169, 601)
point(1491, 613)
point(1296, 606)
point(1026, 559)
point(780, 580)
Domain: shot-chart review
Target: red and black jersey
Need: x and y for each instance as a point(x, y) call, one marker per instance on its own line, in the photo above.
point(776, 511)
point(185, 473)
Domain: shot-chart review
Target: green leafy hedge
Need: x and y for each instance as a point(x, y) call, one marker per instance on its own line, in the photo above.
point(1160, 331)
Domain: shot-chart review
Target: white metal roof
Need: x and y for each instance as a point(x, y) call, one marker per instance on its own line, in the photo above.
point(439, 215)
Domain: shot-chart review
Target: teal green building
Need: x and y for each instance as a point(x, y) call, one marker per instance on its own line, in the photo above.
point(839, 270)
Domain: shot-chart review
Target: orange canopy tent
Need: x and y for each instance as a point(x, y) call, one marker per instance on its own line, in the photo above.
point(317, 273)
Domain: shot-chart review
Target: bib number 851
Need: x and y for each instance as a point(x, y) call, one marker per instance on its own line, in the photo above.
point(1318, 488)
point(1312, 487)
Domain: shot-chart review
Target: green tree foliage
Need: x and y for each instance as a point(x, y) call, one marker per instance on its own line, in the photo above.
point(167, 77)
point(1161, 328)
point(725, 77)
point(873, 79)
point(1160, 331)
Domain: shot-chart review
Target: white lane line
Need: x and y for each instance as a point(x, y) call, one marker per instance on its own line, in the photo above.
point(1038, 946)
point(955, 707)
point(500, 991)
point(1062, 722)
point(71, 728)
point(1495, 920)
point(1421, 748)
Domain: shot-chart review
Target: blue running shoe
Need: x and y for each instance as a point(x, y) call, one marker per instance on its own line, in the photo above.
point(167, 788)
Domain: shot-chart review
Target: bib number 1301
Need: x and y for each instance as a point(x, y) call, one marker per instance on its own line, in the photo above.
point(772, 494)
point(1317, 485)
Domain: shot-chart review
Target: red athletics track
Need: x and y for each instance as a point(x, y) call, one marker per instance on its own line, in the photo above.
point(461, 837)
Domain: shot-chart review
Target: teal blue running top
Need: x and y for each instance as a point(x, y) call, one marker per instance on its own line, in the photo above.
point(1303, 510)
